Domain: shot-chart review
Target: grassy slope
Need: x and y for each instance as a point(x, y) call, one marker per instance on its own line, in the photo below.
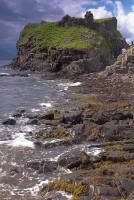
point(50, 34)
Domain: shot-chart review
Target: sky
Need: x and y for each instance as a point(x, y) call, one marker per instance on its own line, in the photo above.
point(15, 14)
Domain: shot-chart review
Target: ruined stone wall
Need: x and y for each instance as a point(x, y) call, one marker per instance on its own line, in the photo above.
point(88, 21)
point(106, 27)
point(68, 21)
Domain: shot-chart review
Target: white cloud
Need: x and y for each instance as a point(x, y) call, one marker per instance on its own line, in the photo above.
point(15, 14)
point(107, 1)
point(71, 8)
point(125, 21)
point(75, 8)
point(101, 12)
point(132, 8)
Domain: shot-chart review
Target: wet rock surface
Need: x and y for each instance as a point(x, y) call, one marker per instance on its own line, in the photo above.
point(43, 166)
point(9, 121)
point(104, 167)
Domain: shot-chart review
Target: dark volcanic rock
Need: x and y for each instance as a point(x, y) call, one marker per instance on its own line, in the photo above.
point(77, 132)
point(74, 159)
point(108, 191)
point(106, 116)
point(128, 148)
point(73, 118)
point(19, 113)
point(47, 116)
point(99, 118)
point(9, 121)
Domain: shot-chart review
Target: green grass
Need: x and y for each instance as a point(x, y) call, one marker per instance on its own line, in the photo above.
point(50, 34)
point(103, 20)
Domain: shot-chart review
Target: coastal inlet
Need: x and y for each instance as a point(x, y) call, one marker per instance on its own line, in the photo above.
point(24, 96)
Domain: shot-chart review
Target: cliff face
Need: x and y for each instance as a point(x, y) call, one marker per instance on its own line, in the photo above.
point(70, 46)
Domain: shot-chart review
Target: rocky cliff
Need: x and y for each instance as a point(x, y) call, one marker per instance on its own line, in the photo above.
point(71, 46)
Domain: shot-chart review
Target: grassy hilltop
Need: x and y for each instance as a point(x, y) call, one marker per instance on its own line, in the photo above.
point(49, 34)
point(71, 39)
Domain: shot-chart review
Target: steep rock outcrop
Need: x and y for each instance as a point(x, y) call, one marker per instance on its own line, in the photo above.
point(71, 46)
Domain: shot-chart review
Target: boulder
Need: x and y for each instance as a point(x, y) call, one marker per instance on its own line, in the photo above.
point(111, 132)
point(47, 116)
point(96, 153)
point(77, 132)
point(73, 118)
point(9, 121)
point(127, 184)
point(117, 116)
point(18, 113)
point(107, 191)
point(128, 148)
point(99, 118)
point(74, 159)
point(70, 160)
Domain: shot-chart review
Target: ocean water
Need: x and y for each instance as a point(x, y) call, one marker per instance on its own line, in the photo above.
point(4, 62)
point(35, 95)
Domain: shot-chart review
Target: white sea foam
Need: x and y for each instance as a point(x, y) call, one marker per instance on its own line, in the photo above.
point(93, 151)
point(69, 84)
point(35, 110)
point(48, 105)
point(69, 197)
point(12, 193)
point(28, 128)
point(20, 140)
point(67, 171)
point(54, 159)
point(4, 74)
point(34, 190)
point(57, 157)
point(4, 142)
point(53, 141)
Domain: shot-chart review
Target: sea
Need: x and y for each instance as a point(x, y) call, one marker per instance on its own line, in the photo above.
point(36, 95)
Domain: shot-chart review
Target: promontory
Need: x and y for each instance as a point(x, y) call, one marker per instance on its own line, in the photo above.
point(69, 47)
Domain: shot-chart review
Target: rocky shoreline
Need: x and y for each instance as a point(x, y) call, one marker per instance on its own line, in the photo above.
point(101, 115)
